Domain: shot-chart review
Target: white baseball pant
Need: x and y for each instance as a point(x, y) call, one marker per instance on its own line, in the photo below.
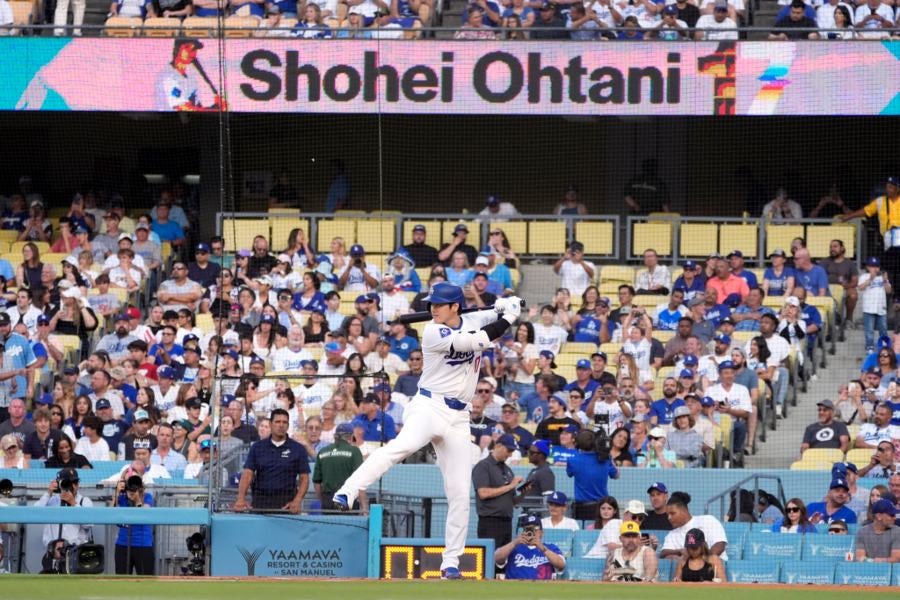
point(429, 420)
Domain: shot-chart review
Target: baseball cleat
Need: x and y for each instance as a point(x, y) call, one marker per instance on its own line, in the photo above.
point(451, 573)
point(342, 502)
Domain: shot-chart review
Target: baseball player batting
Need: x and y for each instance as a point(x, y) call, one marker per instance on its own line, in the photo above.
point(439, 413)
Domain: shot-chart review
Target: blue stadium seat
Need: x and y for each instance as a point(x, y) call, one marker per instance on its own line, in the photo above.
point(561, 538)
point(814, 573)
point(752, 571)
point(584, 541)
point(584, 569)
point(736, 534)
point(666, 569)
point(821, 546)
point(852, 573)
point(776, 546)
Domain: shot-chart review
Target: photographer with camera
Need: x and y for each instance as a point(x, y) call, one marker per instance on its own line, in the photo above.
point(527, 556)
point(134, 543)
point(357, 275)
point(591, 468)
point(58, 538)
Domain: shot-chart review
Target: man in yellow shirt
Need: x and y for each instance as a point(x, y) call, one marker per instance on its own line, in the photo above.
point(887, 207)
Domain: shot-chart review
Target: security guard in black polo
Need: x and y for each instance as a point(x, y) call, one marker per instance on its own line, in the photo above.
point(495, 491)
point(273, 467)
point(334, 464)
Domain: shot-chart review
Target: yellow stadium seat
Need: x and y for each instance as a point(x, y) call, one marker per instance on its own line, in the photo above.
point(859, 456)
point(419, 327)
point(547, 237)
point(122, 26)
point(610, 349)
point(818, 238)
point(744, 336)
point(802, 465)
point(617, 273)
point(516, 277)
point(570, 358)
point(4, 247)
point(665, 372)
point(663, 336)
point(516, 232)
point(200, 27)
point(161, 27)
point(474, 237)
point(205, 322)
point(328, 229)
point(657, 217)
point(780, 236)
point(650, 300)
point(240, 27)
point(424, 273)
point(9, 235)
point(165, 251)
point(582, 349)
point(656, 235)
point(598, 237)
point(816, 455)
point(377, 235)
point(54, 258)
point(743, 237)
point(567, 371)
point(282, 227)
point(348, 306)
point(239, 233)
point(432, 232)
point(698, 239)
point(379, 260)
point(13, 258)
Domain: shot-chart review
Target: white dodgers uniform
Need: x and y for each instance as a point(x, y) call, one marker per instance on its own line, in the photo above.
point(438, 413)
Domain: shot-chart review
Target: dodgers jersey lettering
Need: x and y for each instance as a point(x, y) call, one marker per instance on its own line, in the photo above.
point(527, 562)
point(447, 371)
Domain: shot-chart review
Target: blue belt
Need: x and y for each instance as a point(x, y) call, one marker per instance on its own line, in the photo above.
point(450, 402)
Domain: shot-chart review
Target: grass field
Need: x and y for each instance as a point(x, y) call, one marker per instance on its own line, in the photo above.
point(71, 588)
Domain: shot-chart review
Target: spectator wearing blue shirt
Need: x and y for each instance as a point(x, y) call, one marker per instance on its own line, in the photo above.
point(112, 430)
point(373, 425)
point(408, 383)
point(167, 230)
point(134, 543)
point(167, 349)
point(813, 318)
point(527, 556)
point(596, 327)
point(490, 9)
point(662, 410)
point(401, 344)
point(812, 278)
point(834, 507)
point(747, 315)
point(277, 467)
point(536, 403)
point(692, 281)
point(590, 476)
point(583, 381)
point(18, 355)
point(666, 316)
point(779, 279)
point(736, 262)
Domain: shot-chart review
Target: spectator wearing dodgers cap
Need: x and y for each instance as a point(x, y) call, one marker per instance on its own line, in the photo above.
point(583, 382)
point(557, 502)
point(358, 275)
point(458, 244)
point(496, 210)
point(834, 507)
point(657, 518)
point(879, 541)
point(423, 254)
point(540, 480)
point(733, 399)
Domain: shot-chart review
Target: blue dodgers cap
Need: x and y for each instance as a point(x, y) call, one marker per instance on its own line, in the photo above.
point(571, 428)
point(725, 365)
point(102, 403)
point(344, 429)
point(460, 227)
point(557, 498)
point(893, 180)
point(885, 507)
point(737, 253)
point(707, 401)
point(723, 339)
point(529, 520)
point(689, 264)
point(542, 446)
point(686, 374)
point(167, 372)
point(659, 486)
point(445, 293)
point(690, 360)
point(363, 298)
point(202, 247)
point(492, 199)
point(310, 363)
point(357, 250)
point(333, 348)
point(884, 342)
point(549, 355)
point(227, 399)
point(839, 482)
point(671, 10)
point(323, 258)
point(583, 363)
point(873, 261)
point(382, 387)
point(508, 441)
point(206, 444)
point(420, 227)
point(44, 320)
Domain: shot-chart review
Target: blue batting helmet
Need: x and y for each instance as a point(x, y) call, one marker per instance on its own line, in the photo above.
point(445, 293)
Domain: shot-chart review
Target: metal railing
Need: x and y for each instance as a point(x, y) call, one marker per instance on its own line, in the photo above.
point(734, 491)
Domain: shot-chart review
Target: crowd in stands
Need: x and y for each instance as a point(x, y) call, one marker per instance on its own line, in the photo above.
point(673, 371)
point(629, 20)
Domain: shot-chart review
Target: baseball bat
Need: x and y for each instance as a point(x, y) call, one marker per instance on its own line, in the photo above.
point(419, 317)
point(205, 77)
